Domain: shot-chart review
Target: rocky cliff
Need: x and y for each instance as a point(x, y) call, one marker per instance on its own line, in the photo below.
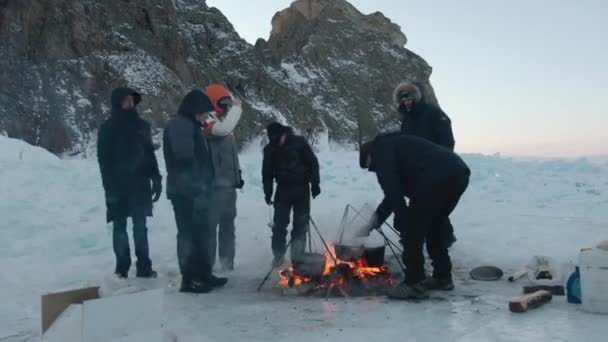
point(325, 66)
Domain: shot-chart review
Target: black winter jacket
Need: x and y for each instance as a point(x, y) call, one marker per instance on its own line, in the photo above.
point(189, 165)
point(408, 166)
point(428, 122)
point(294, 163)
point(126, 160)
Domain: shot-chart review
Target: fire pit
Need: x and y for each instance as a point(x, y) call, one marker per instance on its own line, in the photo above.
point(342, 271)
point(339, 278)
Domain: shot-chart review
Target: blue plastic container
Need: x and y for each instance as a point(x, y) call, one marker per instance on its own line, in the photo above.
point(574, 287)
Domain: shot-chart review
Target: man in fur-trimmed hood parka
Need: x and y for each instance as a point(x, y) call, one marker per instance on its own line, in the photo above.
point(427, 121)
point(420, 118)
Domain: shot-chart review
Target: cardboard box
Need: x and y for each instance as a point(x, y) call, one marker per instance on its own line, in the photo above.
point(83, 316)
point(53, 304)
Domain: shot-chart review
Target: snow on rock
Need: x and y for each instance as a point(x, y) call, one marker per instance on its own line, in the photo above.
point(267, 110)
point(162, 48)
point(54, 237)
point(293, 74)
point(141, 71)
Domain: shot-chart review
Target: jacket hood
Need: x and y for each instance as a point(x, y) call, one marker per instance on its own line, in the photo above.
point(216, 92)
point(195, 102)
point(372, 147)
point(406, 87)
point(119, 95)
point(275, 130)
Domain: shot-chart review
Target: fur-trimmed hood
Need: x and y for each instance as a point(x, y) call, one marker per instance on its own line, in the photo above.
point(409, 87)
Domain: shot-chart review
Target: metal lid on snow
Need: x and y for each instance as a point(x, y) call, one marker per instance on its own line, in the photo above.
point(486, 273)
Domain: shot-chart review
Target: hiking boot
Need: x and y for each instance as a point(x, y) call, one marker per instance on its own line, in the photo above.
point(214, 281)
point(408, 292)
point(438, 284)
point(122, 275)
point(195, 287)
point(147, 274)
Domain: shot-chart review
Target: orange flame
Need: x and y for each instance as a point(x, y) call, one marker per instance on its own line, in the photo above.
point(357, 269)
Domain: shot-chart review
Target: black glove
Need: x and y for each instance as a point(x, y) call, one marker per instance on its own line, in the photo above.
point(157, 189)
point(241, 181)
point(268, 199)
point(315, 190)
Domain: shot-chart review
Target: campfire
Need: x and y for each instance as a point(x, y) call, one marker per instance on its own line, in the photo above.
point(332, 276)
point(343, 270)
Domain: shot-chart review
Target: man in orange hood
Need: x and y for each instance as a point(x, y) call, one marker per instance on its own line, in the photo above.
point(224, 153)
point(227, 111)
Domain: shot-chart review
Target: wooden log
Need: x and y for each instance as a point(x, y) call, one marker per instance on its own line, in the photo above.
point(530, 301)
point(556, 290)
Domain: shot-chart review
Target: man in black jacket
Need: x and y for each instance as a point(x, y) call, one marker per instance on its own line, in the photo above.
point(434, 179)
point(131, 180)
point(426, 121)
point(290, 161)
point(190, 177)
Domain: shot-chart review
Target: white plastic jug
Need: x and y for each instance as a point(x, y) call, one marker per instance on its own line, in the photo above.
point(593, 264)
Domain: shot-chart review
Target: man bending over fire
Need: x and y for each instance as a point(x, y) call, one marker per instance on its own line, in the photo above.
point(433, 178)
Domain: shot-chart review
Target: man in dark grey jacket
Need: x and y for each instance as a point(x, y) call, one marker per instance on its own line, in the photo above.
point(190, 176)
point(224, 153)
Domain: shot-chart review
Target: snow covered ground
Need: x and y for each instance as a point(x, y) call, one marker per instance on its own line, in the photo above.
point(53, 237)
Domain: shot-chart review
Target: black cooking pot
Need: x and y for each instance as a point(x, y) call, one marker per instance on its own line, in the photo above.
point(374, 256)
point(349, 253)
point(309, 265)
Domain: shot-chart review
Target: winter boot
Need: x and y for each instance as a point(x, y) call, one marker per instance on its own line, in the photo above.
point(189, 286)
point(214, 281)
point(438, 284)
point(150, 273)
point(408, 292)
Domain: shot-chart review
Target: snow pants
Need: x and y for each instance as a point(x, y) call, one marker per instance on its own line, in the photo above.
point(120, 242)
point(288, 197)
point(427, 214)
point(222, 213)
point(193, 234)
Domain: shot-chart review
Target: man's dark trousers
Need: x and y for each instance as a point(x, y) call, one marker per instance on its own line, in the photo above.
point(121, 244)
point(425, 214)
point(192, 238)
point(288, 197)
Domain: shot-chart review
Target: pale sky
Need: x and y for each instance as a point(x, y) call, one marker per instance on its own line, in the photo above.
point(518, 77)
